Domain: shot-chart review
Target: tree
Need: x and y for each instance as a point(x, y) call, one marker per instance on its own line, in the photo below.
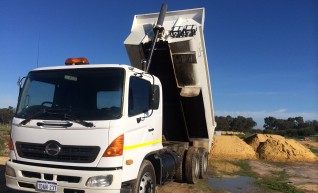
point(305, 131)
point(249, 123)
point(293, 126)
point(282, 124)
point(223, 123)
point(270, 123)
point(312, 124)
point(298, 122)
point(6, 115)
point(238, 123)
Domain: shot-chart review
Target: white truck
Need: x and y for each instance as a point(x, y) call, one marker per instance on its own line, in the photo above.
point(84, 128)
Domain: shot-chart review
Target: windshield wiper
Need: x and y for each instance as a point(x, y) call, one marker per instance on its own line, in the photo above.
point(79, 121)
point(57, 112)
point(38, 113)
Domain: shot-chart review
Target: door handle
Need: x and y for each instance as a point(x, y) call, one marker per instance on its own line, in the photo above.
point(150, 130)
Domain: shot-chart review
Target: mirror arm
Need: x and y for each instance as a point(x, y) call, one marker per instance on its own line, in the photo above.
point(20, 80)
point(20, 84)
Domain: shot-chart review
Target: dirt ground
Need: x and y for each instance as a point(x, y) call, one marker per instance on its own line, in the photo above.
point(302, 175)
point(173, 187)
point(310, 144)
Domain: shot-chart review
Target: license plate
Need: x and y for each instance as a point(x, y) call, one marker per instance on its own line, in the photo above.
point(46, 186)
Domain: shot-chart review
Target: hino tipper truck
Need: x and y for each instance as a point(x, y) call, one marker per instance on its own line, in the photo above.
point(84, 128)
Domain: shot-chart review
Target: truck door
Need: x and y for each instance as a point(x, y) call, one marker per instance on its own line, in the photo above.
point(145, 126)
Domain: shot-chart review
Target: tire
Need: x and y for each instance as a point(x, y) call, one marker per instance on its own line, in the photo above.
point(204, 162)
point(146, 179)
point(192, 166)
point(180, 170)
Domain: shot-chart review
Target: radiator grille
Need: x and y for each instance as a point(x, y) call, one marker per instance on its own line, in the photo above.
point(74, 154)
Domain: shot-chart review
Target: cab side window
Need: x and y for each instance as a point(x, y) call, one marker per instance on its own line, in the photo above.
point(139, 96)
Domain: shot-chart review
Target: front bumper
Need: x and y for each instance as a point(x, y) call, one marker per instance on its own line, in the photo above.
point(68, 180)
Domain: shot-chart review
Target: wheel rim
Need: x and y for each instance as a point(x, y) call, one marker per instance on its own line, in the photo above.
point(146, 183)
point(196, 167)
point(205, 162)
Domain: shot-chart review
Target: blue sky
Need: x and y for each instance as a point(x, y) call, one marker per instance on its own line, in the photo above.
point(263, 55)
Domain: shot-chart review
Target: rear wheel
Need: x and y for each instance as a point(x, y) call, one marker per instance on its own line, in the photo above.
point(146, 180)
point(204, 162)
point(180, 170)
point(192, 166)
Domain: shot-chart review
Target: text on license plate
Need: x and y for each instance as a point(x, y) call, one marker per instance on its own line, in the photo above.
point(46, 186)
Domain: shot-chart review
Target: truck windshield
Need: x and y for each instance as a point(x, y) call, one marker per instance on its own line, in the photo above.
point(86, 93)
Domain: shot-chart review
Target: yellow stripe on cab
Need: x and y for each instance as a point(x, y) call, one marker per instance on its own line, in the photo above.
point(129, 147)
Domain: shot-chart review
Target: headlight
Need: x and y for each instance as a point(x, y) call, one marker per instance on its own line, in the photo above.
point(10, 171)
point(100, 181)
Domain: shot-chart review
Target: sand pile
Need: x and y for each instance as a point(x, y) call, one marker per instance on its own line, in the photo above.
point(231, 147)
point(277, 148)
point(256, 139)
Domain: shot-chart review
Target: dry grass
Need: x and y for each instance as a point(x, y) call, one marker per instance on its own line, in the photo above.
point(3, 160)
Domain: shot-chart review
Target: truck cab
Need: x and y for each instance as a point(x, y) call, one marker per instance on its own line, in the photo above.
point(96, 117)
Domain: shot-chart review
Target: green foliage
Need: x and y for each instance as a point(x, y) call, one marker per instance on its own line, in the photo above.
point(275, 183)
point(223, 123)
point(6, 115)
point(2, 127)
point(4, 138)
point(291, 127)
point(5, 129)
point(201, 186)
point(278, 183)
point(314, 150)
point(4, 144)
point(245, 168)
point(306, 132)
point(253, 131)
point(239, 123)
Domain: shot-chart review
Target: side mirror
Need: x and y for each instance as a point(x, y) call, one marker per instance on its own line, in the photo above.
point(155, 98)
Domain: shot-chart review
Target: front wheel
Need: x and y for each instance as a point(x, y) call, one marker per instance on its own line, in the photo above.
point(146, 179)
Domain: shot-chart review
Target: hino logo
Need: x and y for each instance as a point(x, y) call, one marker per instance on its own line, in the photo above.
point(52, 149)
